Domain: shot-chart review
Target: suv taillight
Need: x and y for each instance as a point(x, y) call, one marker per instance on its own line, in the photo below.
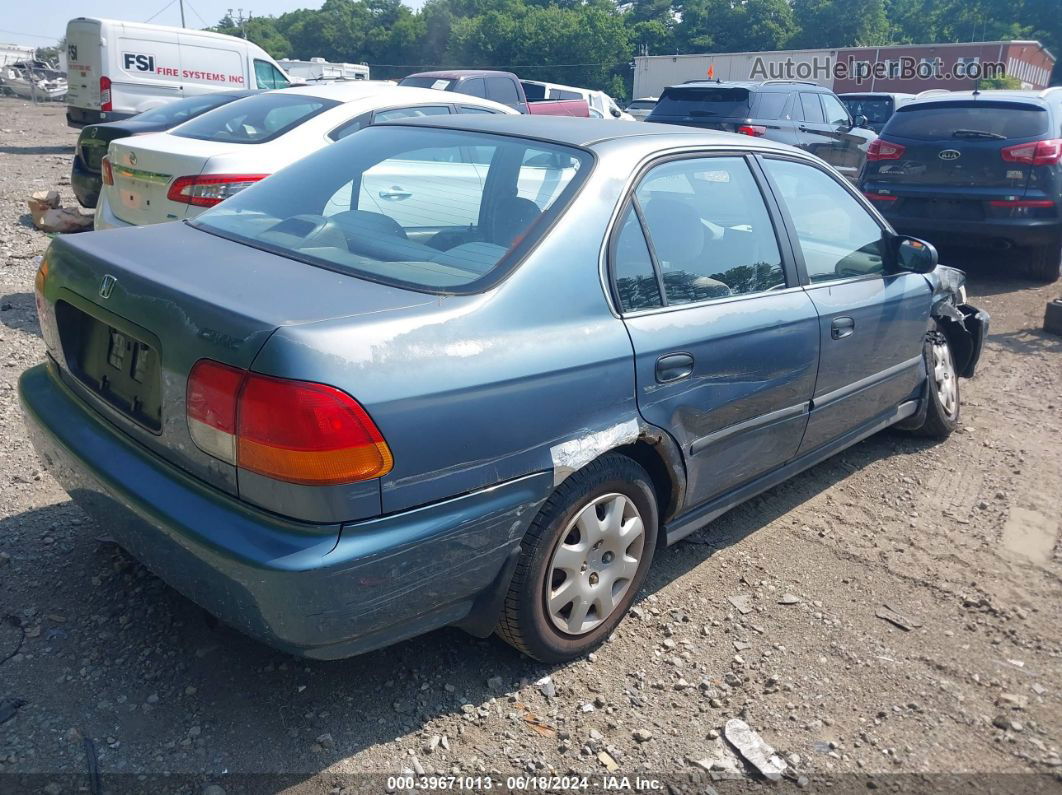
point(106, 171)
point(1034, 153)
point(295, 431)
point(105, 93)
point(885, 150)
point(209, 189)
point(755, 130)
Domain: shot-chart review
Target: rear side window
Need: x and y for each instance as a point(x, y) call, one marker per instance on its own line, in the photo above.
point(709, 230)
point(473, 87)
point(836, 113)
point(632, 267)
point(703, 102)
point(268, 76)
point(473, 109)
point(503, 90)
point(933, 122)
point(560, 93)
point(254, 120)
point(812, 108)
point(411, 113)
point(770, 105)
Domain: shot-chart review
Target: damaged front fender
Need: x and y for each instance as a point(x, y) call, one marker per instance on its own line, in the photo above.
point(964, 325)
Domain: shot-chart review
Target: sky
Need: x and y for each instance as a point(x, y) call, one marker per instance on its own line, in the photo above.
point(24, 23)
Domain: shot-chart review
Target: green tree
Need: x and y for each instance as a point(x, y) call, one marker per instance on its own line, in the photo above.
point(840, 23)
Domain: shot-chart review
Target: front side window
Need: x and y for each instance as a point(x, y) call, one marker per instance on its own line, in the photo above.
point(710, 230)
point(268, 76)
point(838, 237)
point(428, 208)
point(254, 120)
point(836, 113)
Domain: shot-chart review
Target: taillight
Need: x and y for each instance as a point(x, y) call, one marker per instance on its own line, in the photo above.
point(296, 431)
point(885, 150)
point(755, 130)
point(880, 197)
point(209, 189)
point(105, 93)
point(38, 287)
point(1034, 153)
point(106, 171)
point(1022, 203)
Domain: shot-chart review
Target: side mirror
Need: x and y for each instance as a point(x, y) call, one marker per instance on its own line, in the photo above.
point(914, 255)
point(860, 120)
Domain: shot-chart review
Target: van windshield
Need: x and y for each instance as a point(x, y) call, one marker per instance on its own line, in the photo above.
point(432, 209)
point(254, 120)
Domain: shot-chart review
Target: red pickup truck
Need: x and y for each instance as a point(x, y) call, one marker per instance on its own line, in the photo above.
point(501, 87)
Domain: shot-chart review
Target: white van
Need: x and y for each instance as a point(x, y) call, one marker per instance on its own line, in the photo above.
point(320, 69)
point(117, 69)
point(602, 106)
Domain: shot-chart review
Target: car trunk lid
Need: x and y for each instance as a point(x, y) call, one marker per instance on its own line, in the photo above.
point(145, 167)
point(129, 312)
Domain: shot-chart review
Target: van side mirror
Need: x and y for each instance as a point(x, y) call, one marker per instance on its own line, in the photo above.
point(913, 255)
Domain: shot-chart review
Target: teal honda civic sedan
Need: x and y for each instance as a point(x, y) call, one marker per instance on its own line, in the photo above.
point(475, 371)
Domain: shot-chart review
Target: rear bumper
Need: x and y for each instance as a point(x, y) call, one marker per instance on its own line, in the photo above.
point(105, 217)
point(86, 184)
point(321, 591)
point(1016, 232)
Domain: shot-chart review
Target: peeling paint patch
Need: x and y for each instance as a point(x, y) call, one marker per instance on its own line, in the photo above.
point(572, 455)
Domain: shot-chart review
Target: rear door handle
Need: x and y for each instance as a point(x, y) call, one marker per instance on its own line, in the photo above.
point(395, 193)
point(842, 327)
point(674, 367)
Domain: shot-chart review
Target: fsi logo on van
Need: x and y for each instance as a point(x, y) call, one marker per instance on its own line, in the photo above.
point(140, 63)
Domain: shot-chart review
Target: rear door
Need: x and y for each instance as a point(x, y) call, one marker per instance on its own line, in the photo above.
point(725, 343)
point(871, 324)
point(207, 67)
point(84, 55)
point(946, 160)
point(824, 136)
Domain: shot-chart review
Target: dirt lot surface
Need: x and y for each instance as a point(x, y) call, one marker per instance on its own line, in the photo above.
point(770, 615)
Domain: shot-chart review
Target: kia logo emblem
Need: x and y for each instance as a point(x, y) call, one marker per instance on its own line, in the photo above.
point(950, 154)
point(107, 286)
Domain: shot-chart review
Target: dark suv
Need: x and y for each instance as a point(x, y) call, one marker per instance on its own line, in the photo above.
point(800, 114)
point(975, 169)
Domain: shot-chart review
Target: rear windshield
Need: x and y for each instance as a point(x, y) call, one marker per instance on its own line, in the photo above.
point(438, 83)
point(432, 209)
point(184, 109)
point(972, 120)
point(533, 91)
point(876, 109)
point(254, 120)
point(703, 102)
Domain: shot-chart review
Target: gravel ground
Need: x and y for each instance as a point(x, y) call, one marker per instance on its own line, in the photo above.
point(959, 537)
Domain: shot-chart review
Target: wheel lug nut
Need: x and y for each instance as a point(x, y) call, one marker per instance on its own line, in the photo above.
point(607, 557)
point(593, 578)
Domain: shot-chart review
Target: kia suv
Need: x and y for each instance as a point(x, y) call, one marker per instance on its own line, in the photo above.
point(805, 115)
point(975, 169)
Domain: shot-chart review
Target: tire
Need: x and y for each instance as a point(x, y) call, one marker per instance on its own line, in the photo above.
point(1044, 263)
point(558, 549)
point(942, 384)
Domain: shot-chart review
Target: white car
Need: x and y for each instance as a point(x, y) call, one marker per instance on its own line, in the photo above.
point(170, 176)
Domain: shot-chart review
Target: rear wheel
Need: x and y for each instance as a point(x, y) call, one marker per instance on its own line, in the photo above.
point(942, 385)
point(1044, 263)
point(584, 560)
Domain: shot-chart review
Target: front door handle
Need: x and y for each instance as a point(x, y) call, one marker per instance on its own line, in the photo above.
point(674, 367)
point(842, 327)
point(395, 193)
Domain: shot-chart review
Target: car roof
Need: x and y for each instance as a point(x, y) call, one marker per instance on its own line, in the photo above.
point(759, 85)
point(893, 94)
point(1038, 98)
point(386, 92)
point(454, 74)
point(582, 132)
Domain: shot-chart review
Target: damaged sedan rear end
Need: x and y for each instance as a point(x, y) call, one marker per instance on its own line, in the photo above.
point(476, 371)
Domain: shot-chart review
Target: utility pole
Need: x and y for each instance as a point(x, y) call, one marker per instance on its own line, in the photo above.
point(182, 13)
